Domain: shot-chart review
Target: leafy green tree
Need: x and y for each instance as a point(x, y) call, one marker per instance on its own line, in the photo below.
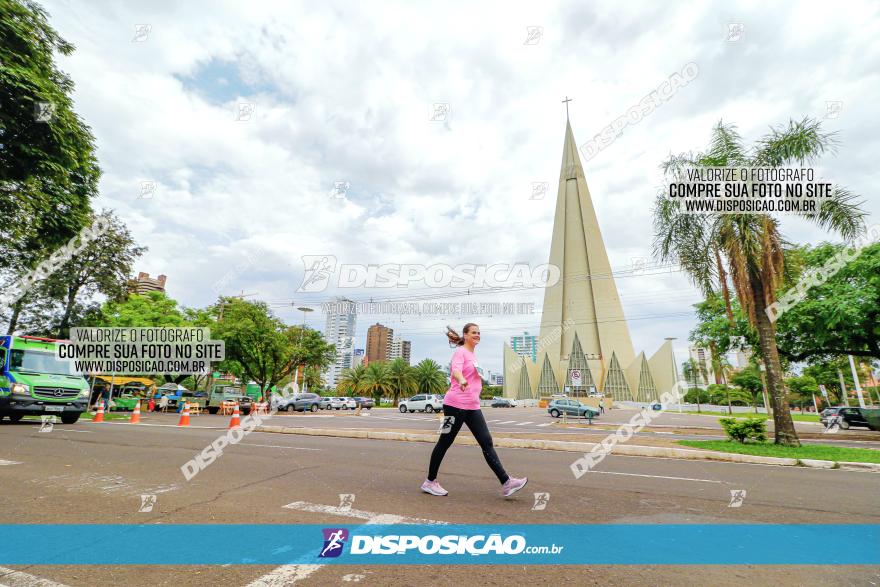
point(350, 380)
point(102, 266)
point(751, 244)
point(430, 377)
point(840, 316)
point(151, 310)
point(377, 381)
point(266, 349)
point(48, 169)
point(693, 372)
point(402, 379)
point(313, 378)
point(749, 380)
point(720, 332)
point(827, 372)
point(803, 388)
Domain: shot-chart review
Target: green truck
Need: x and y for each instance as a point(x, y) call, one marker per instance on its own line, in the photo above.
point(220, 393)
point(33, 381)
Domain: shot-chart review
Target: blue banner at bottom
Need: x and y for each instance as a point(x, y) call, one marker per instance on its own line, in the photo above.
point(538, 544)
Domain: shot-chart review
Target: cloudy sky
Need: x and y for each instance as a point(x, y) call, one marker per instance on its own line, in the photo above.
point(245, 115)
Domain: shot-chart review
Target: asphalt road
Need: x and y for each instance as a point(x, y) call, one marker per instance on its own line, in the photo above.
point(96, 473)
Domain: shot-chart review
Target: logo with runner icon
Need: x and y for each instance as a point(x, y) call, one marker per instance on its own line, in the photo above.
point(334, 541)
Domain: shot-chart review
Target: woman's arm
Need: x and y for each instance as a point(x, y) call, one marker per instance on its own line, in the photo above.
point(456, 368)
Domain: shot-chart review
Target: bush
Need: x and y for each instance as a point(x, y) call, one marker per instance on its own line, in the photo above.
point(742, 430)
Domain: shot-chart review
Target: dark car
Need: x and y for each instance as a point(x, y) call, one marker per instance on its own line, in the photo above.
point(571, 407)
point(847, 417)
point(503, 402)
point(306, 401)
point(364, 402)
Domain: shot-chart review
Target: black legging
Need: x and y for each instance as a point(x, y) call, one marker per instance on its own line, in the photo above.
point(477, 425)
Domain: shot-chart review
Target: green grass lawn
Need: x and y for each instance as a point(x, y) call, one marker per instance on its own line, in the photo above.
point(820, 452)
point(110, 416)
point(795, 417)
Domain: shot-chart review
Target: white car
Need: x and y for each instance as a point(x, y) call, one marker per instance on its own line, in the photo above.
point(421, 403)
point(341, 403)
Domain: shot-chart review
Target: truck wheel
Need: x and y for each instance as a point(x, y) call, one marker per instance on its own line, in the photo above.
point(70, 418)
point(15, 417)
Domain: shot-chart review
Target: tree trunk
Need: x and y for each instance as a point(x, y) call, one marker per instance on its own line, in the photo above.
point(725, 291)
point(64, 326)
point(13, 320)
point(784, 432)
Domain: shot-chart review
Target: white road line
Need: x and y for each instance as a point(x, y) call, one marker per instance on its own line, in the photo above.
point(2, 462)
point(164, 425)
point(657, 476)
point(278, 446)
point(67, 430)
point(13, 578)
point(545, 424)
point(289, 574)
point(305, 506)
point(508, 422)
point(524, 423)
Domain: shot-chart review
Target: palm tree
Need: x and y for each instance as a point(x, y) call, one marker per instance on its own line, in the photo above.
point(376, 381)
point(350, 380)
point(692, 371)
point(402, 379)
point(750, 244)
point(429, 377)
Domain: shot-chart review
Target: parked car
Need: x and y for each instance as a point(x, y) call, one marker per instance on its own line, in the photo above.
point(305, 401)
point(847, 417)
point(364, 402)
point(503, 402)
point(421, 403)
point(571, 407)
point(325, 403)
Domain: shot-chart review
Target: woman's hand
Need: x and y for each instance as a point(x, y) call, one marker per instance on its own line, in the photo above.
point(463, 384)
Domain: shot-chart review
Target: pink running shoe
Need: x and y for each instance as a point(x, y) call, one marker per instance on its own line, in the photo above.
point(513, 485)
point(433, 487)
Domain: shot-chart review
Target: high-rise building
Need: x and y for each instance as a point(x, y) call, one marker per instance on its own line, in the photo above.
point(339, 331)
point(525, 345)
point(585, 340)
point(379, 339)
point(357, 358)
point(400, 349)
point(703, 358)
point(144, 284)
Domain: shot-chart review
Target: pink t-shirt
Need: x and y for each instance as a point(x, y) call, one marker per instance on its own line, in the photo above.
point(464, 361)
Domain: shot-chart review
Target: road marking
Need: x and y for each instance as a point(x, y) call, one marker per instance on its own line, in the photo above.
point(289, 574)
point(657, 476)
point(164, 425)
point(545, 424)
point(508, 422)
point(278, 446)
point(524, 423)
point(13, 578)
point(2, 462)
point(305, 506)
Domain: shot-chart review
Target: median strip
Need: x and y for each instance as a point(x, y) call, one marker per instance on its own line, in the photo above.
point(568, 446)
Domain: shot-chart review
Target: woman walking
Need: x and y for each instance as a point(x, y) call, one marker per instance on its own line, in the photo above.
point(462, 406)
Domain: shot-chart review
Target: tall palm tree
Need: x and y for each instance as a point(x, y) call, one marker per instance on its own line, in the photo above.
point(350, 380)
point(402, 379)
point(430, 378)
point(376, 381)
point(750, 244)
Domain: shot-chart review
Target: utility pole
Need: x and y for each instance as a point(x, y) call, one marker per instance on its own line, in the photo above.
point(855, 375)
point(844, 398)
point(674, 370)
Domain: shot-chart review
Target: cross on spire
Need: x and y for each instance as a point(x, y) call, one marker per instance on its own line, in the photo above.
point(566, 101)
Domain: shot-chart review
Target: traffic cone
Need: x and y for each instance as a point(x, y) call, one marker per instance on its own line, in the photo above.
point(184, 416)
point(235, 422)
point(99, 417)
point(136, 414)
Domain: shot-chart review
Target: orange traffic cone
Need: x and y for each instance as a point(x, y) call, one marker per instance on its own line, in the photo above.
point(184, 416)
point(99, 417)
point(235, 422)
point(136, 414)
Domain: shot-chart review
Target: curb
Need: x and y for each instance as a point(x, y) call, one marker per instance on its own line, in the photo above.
point(583, 447)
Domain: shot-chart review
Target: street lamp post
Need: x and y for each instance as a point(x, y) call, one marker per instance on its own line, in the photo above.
point(305, 310)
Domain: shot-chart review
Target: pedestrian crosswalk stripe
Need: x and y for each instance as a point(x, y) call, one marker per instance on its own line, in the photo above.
point(546, 424)
point(524, 423)
point(508, 422)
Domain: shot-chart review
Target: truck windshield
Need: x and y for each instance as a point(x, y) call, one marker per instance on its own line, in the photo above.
point(40, 362)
